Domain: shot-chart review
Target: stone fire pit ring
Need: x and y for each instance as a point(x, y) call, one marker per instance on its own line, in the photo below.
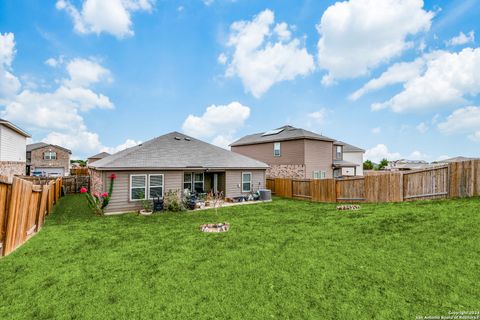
point(215, 227)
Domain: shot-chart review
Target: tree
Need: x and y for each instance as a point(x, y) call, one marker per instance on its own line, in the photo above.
point(368, 165)
point(383, 164)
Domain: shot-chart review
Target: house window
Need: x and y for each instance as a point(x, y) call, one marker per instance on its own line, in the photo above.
point(138, 186)
point(338, 152)
point(319, 174)
point(195, 180)
point(246, 182)
point(155, 186)
point(50, 155)
point(337, 173)
point(276, 149)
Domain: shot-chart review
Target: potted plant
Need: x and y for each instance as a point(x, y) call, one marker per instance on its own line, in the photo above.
point(147, 208)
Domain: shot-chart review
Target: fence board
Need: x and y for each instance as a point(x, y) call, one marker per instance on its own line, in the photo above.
point(22, 210)
point(350, 190)
point(384, 188)
point(283, 187)
point(301, 189)
point(427, 184)
point(271, 185)
point(323, 190)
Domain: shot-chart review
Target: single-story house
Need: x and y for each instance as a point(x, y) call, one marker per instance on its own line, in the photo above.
point(97, 157)
point(174, 162)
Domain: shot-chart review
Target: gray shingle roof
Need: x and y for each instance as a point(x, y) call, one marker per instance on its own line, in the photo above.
point(176, 151)
point(38, 145)
point(287, 133)
point(15, 128)
point(348, 147)
point(100, 155)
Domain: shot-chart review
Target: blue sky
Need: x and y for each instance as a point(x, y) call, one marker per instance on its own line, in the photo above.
point(103, 75)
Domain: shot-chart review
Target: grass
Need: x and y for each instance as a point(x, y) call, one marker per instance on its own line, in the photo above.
point(287, 259)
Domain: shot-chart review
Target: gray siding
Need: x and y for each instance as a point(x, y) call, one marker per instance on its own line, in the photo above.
point(173, 180)
point(234, 181)
point(318, 157)
point(120, 200)
point(291, 152)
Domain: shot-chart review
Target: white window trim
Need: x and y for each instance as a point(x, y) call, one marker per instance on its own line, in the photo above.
point(251, 182)
point(163, 184)
point(50, 153)
point(275, 149)
point(130, 187)
point(198, 181)
point(193, 181)
point(319, 174)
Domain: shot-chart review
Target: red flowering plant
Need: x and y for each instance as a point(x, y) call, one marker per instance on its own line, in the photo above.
point(98, 202)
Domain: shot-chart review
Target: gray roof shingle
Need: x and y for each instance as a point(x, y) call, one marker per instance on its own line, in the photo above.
point(38, 145)
point(348, 147)
point(100, 155)
point(176, 151)
point(287, 133)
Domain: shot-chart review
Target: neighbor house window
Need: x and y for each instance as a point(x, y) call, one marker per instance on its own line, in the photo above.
point(246, 182)
point(49, 155)
point(337, 173)
point(138, 186)
point(338, 152)
point(276, 149)
point(155, 186)
point(193, 181)
point(319, 174)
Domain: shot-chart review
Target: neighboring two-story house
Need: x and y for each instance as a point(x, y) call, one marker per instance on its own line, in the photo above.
point(13, 141)
point(297, 153)
point(48, 160)
point(354, 155)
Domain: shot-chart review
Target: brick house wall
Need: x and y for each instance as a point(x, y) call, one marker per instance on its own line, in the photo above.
point(62, 161)
point(9, 169)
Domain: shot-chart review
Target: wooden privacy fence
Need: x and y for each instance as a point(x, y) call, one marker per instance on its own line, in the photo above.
point(456, 180)
point(81, 171)
point(71, 184)
point(23, 206)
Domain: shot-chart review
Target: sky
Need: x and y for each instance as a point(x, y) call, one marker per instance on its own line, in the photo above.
point(398, 78)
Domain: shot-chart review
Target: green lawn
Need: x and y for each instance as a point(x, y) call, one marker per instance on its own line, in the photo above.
point(285, 259)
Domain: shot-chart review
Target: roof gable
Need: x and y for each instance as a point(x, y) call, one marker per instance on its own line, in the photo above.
point(176, 151)
point(15, 128)
point(39, 145)
point(284, 133)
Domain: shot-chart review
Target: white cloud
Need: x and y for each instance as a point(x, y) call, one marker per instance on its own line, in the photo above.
point(359, 35)
point(7, 48)
point(58, 114)
point(112, 16)
point(208, 2)
point(422, 127)
point(418, 155)
point(127, 144)
point(463, 120)
point(84, 72)
point(461, 39)
point(222, 58)
point(264, 55)
point(379, 152)
point(377, 130)
point(396, 73)
point(219, 123)
point(9, 83)
point(318, 116)
point(449, 78)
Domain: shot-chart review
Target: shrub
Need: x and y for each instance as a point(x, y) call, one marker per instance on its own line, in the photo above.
point(172, 201)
